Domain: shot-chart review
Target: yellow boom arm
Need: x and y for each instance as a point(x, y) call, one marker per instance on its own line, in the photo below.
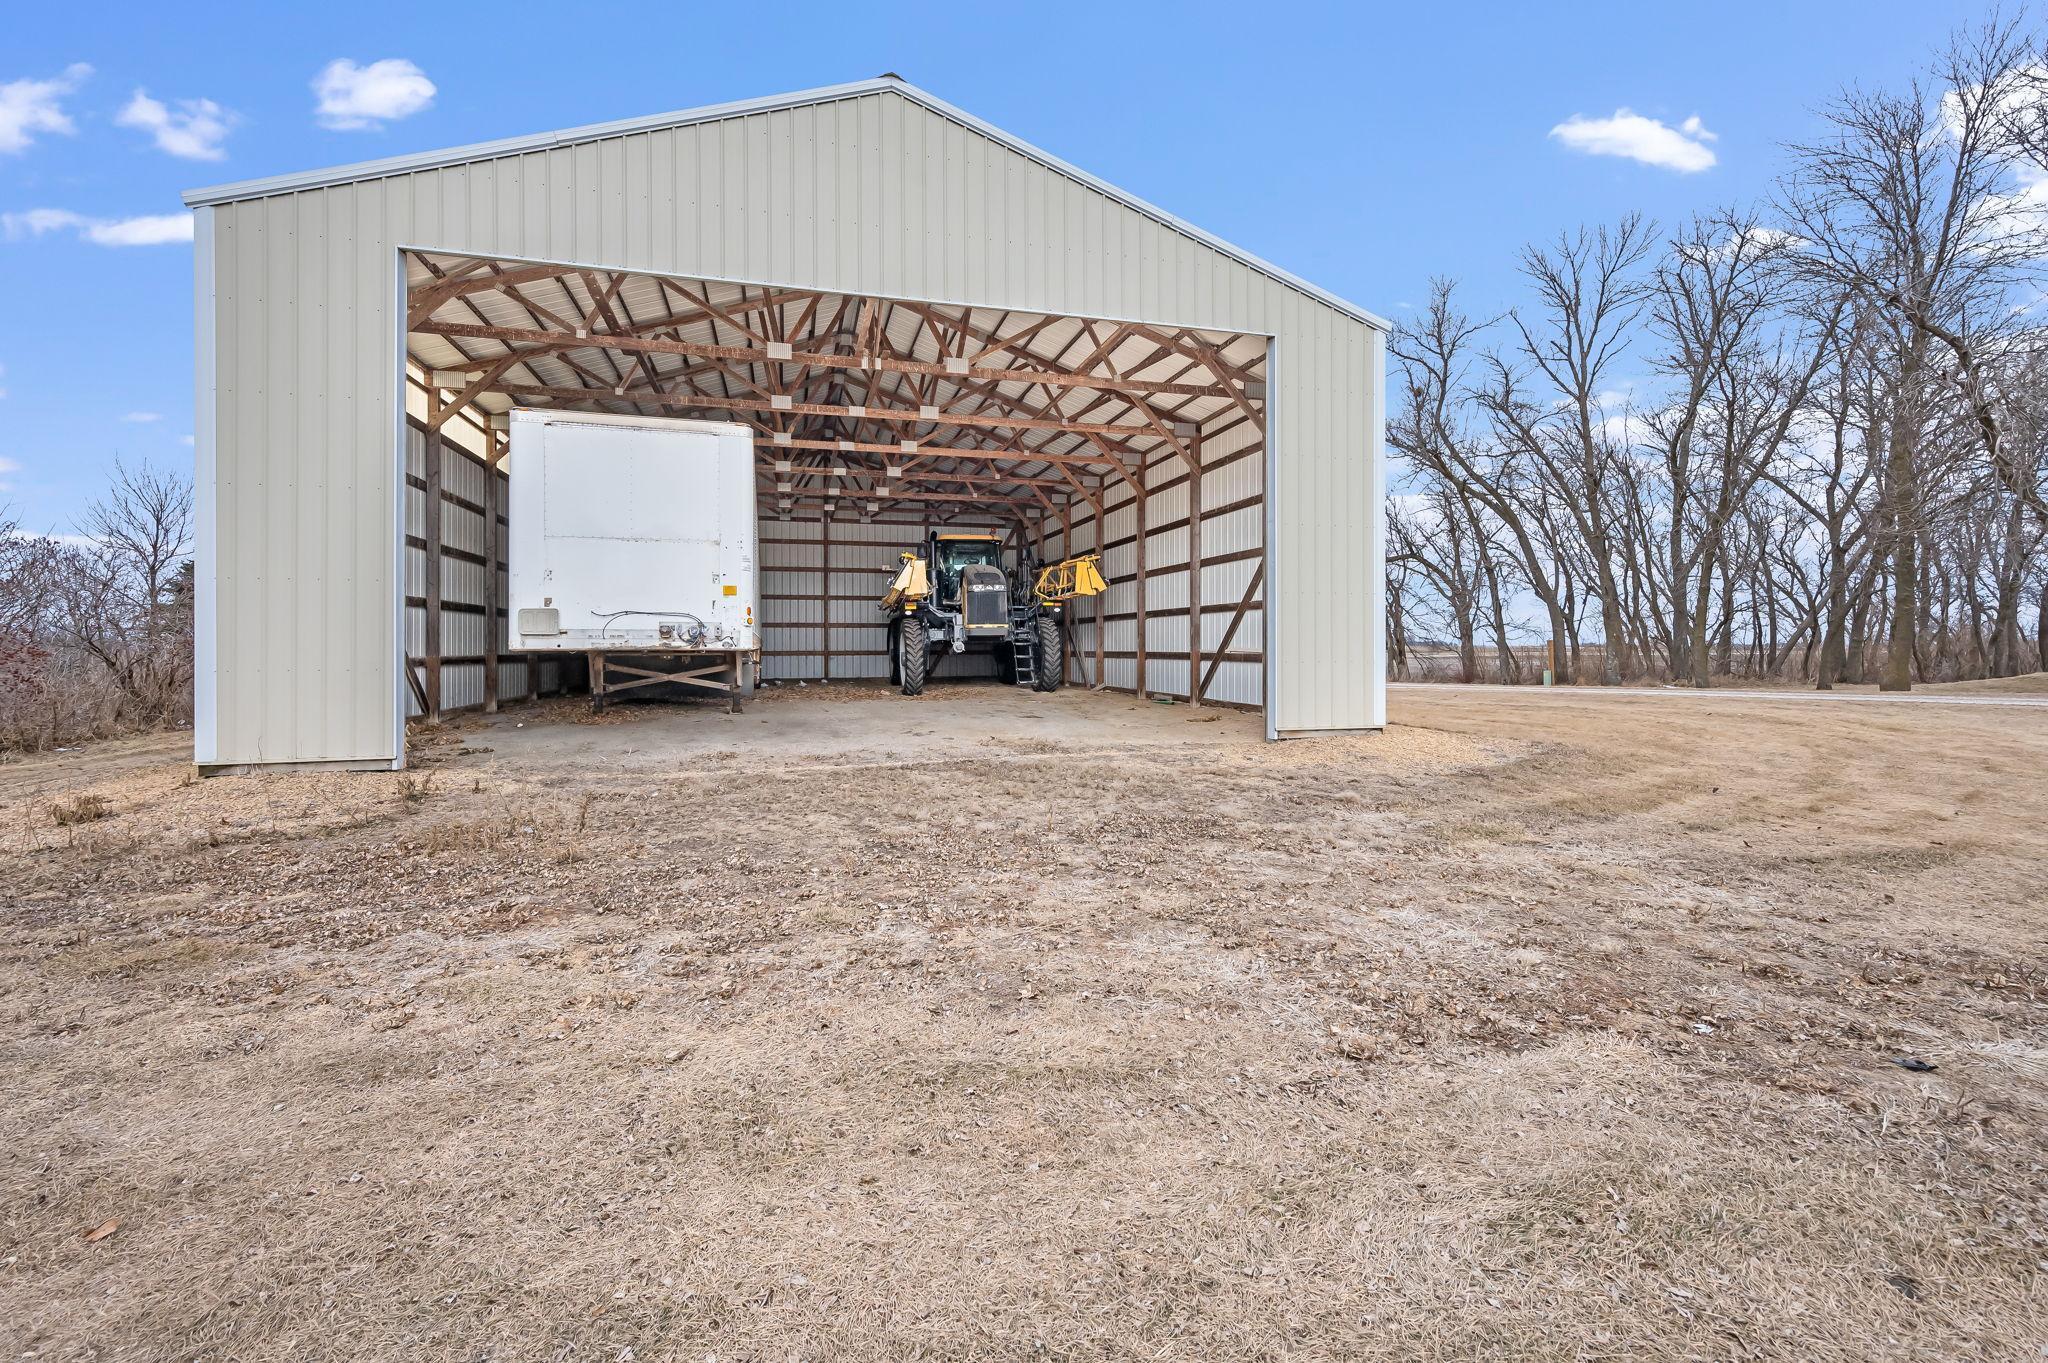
point(1070, 578)
point(910, 587)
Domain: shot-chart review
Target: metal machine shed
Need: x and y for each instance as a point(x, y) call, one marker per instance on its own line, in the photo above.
point(923, 318)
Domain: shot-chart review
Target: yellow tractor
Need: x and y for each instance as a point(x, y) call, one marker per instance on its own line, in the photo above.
point(957, 594)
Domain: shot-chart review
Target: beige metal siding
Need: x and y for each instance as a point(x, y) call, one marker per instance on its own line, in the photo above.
point(871, 194)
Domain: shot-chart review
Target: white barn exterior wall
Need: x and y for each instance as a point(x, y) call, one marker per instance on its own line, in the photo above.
point(876, 190)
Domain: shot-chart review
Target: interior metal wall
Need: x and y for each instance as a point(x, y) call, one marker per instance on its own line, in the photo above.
point(463, 615)
point(1233, 514)
point(800, 598)
point(299, 331)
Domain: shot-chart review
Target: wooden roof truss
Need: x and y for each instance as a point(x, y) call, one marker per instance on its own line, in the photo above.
point(864, 405)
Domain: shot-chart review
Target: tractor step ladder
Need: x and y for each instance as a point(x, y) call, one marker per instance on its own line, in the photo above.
point(1023, 648)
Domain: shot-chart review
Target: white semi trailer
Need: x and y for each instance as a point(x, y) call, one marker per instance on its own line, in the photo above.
point(633, 540)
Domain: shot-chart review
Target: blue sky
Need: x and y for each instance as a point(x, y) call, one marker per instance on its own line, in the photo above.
point(1366, 147)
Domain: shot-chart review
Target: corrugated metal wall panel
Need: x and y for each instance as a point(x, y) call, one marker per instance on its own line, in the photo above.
point(798, 599)
point(1233, 535)
point(872, 194)
point(462, 631)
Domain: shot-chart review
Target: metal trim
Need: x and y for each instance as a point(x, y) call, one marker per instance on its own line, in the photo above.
point(205, 480)
point(398, 490)
point(1376, 520)
point(1269, 595)
point(597, 132)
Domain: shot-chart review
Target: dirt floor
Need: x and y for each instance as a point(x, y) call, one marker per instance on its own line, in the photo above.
point(1536, 1027)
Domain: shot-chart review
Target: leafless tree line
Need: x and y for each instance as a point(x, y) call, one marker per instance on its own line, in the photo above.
point(1806, 440)
point(96, 629)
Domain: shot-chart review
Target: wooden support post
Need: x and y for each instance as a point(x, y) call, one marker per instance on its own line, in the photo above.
point(1100, 597)
point(1138, 582)
point(1070, 666)
point(492, 599)
point(431, 588)
point(597, 678)
point(825, 595)
point(1195, 569)
point(1099, 533)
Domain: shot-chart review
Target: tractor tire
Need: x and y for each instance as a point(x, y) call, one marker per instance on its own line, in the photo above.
point(1052, 655)
point(912, 660)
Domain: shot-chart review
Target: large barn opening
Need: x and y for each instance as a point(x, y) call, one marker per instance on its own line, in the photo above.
point(874, 418)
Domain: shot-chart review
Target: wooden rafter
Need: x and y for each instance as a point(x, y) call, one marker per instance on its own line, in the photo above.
point(758, 354)
point(861, 398)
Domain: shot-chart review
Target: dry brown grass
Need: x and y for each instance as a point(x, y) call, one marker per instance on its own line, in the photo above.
point(80, 809)
point(1536, 1028)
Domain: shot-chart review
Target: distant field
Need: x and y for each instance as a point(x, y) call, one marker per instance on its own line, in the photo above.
point(2028, 684)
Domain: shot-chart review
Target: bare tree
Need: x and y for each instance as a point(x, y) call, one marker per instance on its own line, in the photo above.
point(1810, 444)
point(1548, 394)
point(127, 600)
point(1434, 429)
point(1906, 204)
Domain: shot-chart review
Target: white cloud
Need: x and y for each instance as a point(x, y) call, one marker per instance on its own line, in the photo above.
point(151, 229)
point(1654, 143)
point(7, 466)
point(185, 440)
point(354, 97)
point(1620, 421)
point(37, 221)
point(2015, 96)
point(155, 229)
point(195, 130)
point(1751, 244)
point(142, 418)
point(28, 107)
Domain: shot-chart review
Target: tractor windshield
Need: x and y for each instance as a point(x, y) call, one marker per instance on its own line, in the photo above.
point(954, 555)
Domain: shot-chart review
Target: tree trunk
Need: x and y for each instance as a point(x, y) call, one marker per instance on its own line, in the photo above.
point(2041, 632)
point(1833, 666)
point(1901, 489)
point(2005, 628)
point(1510, 667)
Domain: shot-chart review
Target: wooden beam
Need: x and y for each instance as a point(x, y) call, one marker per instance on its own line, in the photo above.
point(422, 299)
point(492, 622)
point(1195, 568)
point(412, 682)
point(843, 411)
point(812, 358)
point(492, 372)
point(1005, 506)
point(1244, 603)
point(431, 586)
point(1138, 548)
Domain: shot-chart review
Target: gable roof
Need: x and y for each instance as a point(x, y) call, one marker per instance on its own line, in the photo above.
point(710, 113)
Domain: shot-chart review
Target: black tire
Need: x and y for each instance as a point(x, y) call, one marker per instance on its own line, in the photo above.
point(895, 658)
point(912, 661)
point(1052, 655)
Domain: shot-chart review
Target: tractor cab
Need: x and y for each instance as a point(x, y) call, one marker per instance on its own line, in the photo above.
point(952, 554)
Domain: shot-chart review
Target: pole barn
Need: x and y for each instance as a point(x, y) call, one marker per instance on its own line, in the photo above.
point(924, 321)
